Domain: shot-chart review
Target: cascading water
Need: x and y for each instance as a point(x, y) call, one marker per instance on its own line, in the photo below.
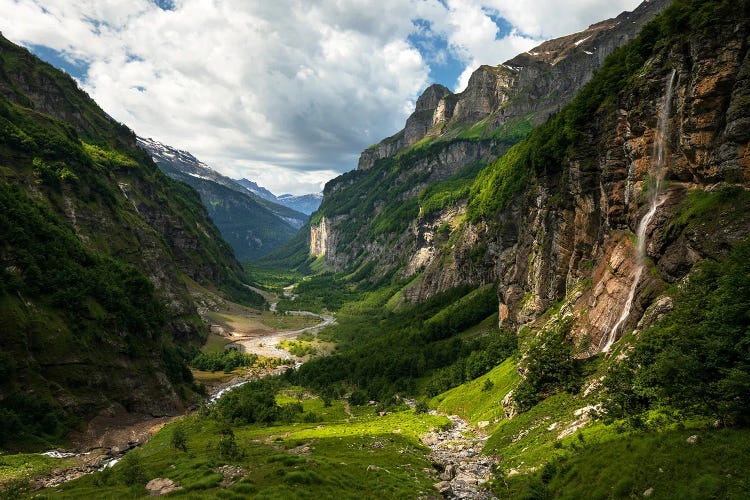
point(657, 174)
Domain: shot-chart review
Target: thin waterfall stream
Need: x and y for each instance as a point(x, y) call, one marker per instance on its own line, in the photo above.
point(655, 201)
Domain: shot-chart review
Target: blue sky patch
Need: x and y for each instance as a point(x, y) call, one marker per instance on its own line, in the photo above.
point(504, 28)
point(75, 68)
point(444, 67)
point(164, 4)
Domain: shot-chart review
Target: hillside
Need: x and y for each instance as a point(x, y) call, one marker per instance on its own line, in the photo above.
point(406, 187)
point(252, 224)
point(96, 246)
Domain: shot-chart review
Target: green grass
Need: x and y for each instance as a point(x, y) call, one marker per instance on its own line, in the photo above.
point(28, 466)
point(298, 348)
point(526, 441)
point(335, 462)
point(473, 402)
point(214, 344)
point(706, 207)
point(717, 466)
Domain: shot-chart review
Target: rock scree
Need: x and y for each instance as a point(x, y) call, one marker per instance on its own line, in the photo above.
point(465, 471)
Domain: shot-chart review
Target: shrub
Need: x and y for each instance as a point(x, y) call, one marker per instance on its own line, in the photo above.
point(550, 367)
point(226, 360)
point(250, 403)
point(227, 447)
point(130, 470)
point(179, 438)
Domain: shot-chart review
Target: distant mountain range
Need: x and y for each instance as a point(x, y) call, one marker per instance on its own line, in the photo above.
point(306, 203)
point(250, 218)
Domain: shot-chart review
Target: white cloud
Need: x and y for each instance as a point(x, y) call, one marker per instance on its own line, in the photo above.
point(552, 18)
point(285, 92)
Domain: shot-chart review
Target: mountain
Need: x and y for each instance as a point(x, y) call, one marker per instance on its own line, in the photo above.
point(552, 220)
point(374, 214)
point(251, 223)
point(501, 102)
point(97, 247)
point(256, 189)
point(306, 203)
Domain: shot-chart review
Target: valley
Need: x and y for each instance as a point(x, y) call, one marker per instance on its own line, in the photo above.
point(539, 288)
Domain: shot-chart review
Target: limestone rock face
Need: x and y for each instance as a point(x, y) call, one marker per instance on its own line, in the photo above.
point(318, 238)
point(161, 486)
point(489, 88)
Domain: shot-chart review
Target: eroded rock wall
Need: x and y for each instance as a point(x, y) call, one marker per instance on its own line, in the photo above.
point(571, 235)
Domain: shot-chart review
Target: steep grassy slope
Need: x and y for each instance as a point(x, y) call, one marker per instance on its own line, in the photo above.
point(95, 242)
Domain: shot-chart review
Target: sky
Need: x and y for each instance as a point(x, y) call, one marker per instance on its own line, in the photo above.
point(286, 93)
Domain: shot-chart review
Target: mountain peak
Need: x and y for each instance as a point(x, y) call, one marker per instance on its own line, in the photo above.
point(431, 97)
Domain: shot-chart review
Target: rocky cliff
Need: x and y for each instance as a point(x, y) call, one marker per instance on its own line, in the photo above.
point(556, 219)
point(569, 235)
point(423, 168)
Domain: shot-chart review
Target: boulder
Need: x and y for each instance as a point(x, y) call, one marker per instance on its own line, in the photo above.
point(449, 473)
point(161, 486)
point(443, 487)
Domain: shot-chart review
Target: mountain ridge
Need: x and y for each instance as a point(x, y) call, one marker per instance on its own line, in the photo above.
point(532, 84)
point(252, 224)
point(305, 203)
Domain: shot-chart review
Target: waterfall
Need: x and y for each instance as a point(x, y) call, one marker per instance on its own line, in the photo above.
point(657, 176)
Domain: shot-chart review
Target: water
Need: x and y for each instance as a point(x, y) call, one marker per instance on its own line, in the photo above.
point(655, 201)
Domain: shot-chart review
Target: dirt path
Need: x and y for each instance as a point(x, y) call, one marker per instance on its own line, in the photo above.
point(464, 469)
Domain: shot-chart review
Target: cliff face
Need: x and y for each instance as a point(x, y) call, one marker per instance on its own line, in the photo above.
point(555, 220)
point(450, 136)
point(570, 237)
point(319, 238)
point(534, 83)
